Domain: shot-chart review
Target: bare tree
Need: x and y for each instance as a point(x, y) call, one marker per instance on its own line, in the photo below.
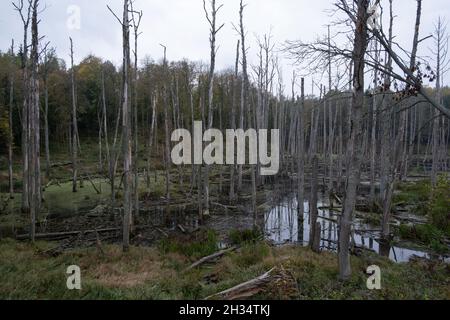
point(214, 30)
point(11, 136)
point(126, 125)
point(126, 129)
point(245, 81)
point(301, 155)
point(136, 18)
point(355, 143)
point(25, 15)
point(74, 123)
point(34, 131)
point(46, 124)
point(233, 119)
point(441, 40)
point(397, 163)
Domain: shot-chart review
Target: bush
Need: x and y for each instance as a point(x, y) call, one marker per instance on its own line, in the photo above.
point(426, 233)
point(439, 205)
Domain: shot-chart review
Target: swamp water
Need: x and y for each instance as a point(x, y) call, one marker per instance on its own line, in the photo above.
point(282, 226)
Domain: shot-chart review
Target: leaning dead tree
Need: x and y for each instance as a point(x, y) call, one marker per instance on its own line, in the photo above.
point(397, 162)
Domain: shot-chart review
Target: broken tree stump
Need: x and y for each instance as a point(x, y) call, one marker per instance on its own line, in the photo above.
point(277, 281)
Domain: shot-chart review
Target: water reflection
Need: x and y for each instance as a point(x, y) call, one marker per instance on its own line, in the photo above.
point(283, 226)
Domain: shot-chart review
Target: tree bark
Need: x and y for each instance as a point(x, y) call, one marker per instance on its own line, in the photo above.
point(74, 124)
point(354, 147)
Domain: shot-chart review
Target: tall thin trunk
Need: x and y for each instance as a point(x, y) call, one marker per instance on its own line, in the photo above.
point(34, 147)
point(233, 119)
point(10, 117)
point(46, 124)
point(397, 163)
point(126, 130)
point(74, 123)
point(355, 143)
point(301, 155)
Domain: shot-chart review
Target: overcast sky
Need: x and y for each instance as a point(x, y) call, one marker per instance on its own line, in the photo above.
point(181, 26)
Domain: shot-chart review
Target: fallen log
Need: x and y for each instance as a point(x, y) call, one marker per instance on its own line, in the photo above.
point(62, 235)
point(244, 290)
point(212, 257)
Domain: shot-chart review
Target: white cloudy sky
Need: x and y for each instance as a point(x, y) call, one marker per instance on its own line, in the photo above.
point(181, 26)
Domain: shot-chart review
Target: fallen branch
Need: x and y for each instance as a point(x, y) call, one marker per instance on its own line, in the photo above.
point(93, 185)
point(212, 257)
point(60, 235)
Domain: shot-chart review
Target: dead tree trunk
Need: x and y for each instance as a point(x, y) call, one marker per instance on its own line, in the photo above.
point(211, 17)
point(25, 15)
point(34, 147)
point(441, 48)
point(126, 129)
point(166, 129)
point(46, 129)
point(313, 212)
point(355, 143)
point(233, 120)
point(397, 164)
point(301, 155)
point(10, 117)
point(136, 19)
point(244, 83)
point(74, 124)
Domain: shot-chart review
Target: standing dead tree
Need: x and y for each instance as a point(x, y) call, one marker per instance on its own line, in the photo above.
point(440, 51)
point(301, 154)
point(74, 123)
point(25, 15)
point(355, 144)
point(214, 30)
point(126, 129)
point(34, 123)
point(126, 126)
point(233, 120)
point(397, 163)
point(45, 74)
point(136, 18)
point(166, 125)
point(244, 82)
point(10, 117)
